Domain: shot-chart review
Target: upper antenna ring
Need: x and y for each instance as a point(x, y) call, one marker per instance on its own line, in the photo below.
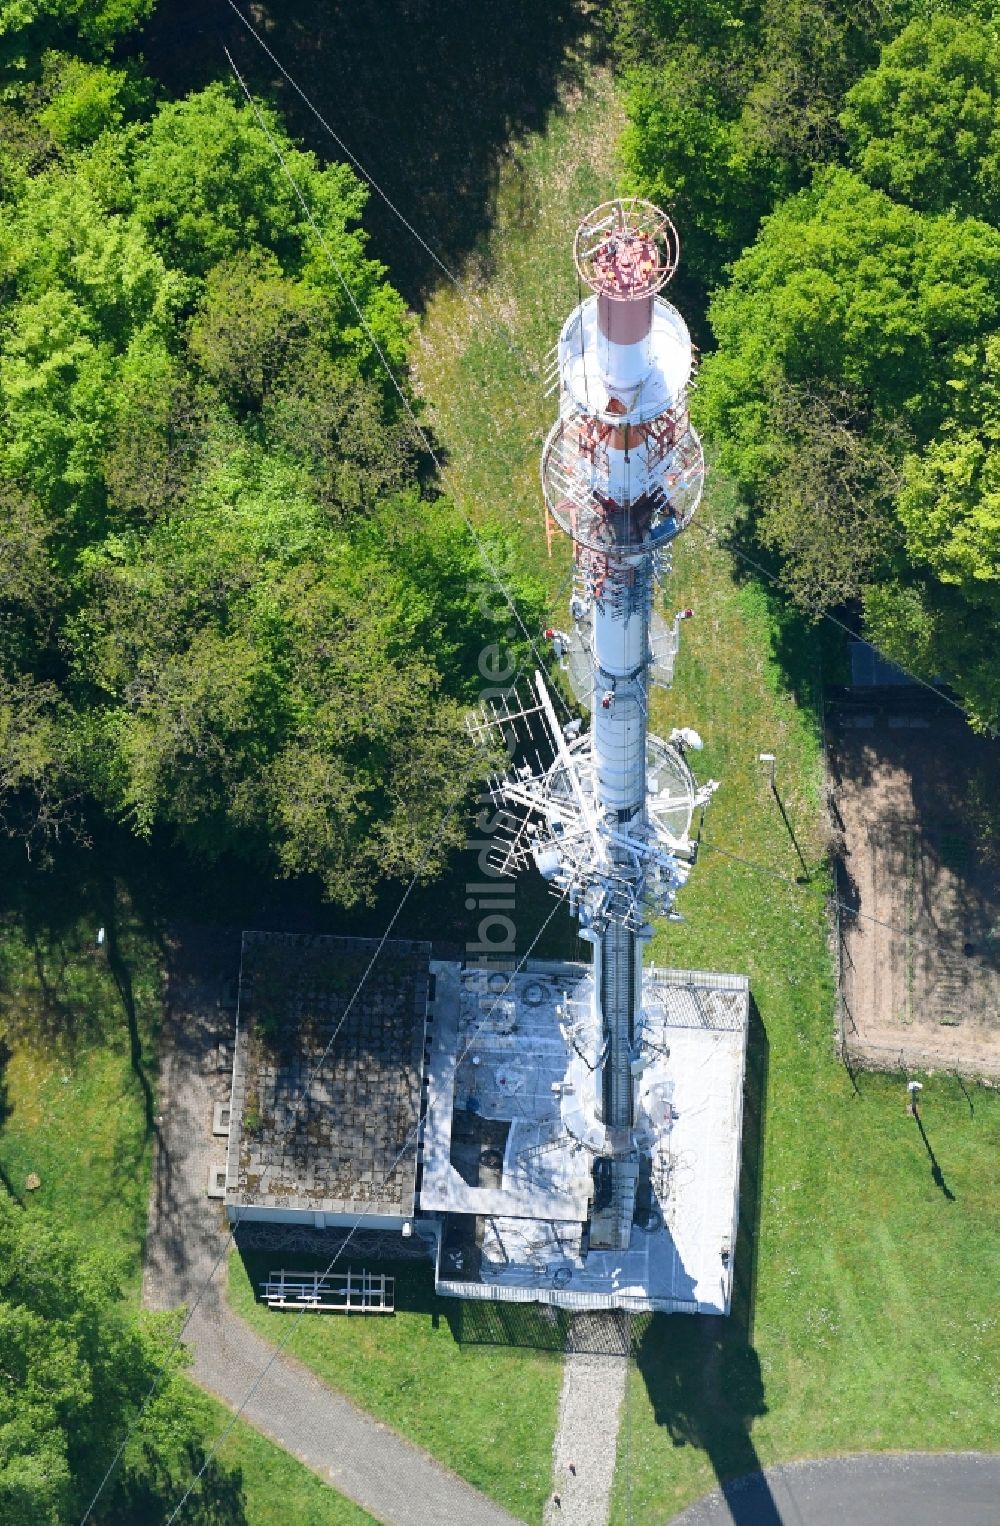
point(626, 249)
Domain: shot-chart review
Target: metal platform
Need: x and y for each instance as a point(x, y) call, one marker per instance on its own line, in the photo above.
point(347, 1292)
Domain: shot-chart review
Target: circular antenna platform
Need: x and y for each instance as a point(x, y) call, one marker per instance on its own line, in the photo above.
point(589, 506)
point(626, 249)
point(672, 789)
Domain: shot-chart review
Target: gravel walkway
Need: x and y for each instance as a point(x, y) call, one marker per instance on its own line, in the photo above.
point(388, 1476)
point(583, 1454)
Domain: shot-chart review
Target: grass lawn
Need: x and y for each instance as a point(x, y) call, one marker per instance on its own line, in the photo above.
point(865, 1314)
point(480, 366)
point(277, 1490)
point(78, 1027)
point(488, 1411)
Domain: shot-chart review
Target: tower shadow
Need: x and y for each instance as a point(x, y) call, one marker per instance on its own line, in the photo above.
point(702, 1373)
point(428, 94)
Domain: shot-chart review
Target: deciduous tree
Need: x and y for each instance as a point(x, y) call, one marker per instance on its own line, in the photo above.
point(76, 1366)
point(925, 124)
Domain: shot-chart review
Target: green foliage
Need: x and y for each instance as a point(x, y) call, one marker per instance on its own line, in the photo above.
point(730, 111)
point(74, 1110)
point(881, 318)
point(950, 500)
point(734, 106)
point(847, 288)
point(809, 52)
point(158, 423)
point(843, 395)
point(939, 621)
point(258, 628)
point(255, 327)
point(334, 423)
point(269, 344)
point(209, 186)
point(29, 27)
point(826, 504)
point(71, 104)
point(33, 760)
point(925, 124)
point(684, 149)
point(270, 683)
point(77, 1365)
point(27, 584)
point(83, 100)
point(646, 31)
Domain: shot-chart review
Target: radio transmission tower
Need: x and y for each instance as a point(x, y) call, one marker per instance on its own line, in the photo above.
point(608, 820)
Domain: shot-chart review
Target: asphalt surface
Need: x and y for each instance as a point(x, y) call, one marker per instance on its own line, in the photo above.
point(908, 1489)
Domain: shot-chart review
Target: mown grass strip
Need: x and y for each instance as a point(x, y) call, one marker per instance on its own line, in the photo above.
point(273, 1487)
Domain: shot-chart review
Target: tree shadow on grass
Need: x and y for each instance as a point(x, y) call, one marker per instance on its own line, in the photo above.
point(67, 913)
point(146, 1495)
point(66, 921)
point(6, 1108)
point(427, 94)
point(702, 1373)
point(121, 974)
point(809, 652)
point(46, 977)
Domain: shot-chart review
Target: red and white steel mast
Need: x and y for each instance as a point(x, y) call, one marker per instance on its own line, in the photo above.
point(608, 821)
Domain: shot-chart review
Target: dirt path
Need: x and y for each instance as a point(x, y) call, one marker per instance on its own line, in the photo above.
point(392, 1479)
point(922, 960)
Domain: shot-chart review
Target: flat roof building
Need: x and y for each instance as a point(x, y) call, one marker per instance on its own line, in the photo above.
point(512, 1150)
point(454, 1098)
point(326, 1090)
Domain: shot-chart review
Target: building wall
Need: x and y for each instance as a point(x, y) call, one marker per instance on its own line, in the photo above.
point(309, 1218)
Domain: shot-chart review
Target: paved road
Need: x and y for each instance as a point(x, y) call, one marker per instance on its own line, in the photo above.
point(909, 1489)
point(388, 1476)
point(369, 1462)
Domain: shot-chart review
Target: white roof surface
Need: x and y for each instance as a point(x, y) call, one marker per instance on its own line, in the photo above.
point(513, 1061)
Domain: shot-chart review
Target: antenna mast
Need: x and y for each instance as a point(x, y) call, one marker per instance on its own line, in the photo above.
point(608, 822)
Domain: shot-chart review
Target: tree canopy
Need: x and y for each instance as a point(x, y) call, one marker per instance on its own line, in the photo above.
point(237, 614)
point(78, 1363)
point(89, 27)
point(835, 176)
point(853, 396)
point(733, 107)
point(925, 124)
point(845, 287)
